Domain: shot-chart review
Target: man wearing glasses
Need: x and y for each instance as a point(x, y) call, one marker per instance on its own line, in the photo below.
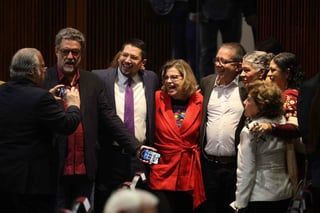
point(77, 152)
point(222, 109)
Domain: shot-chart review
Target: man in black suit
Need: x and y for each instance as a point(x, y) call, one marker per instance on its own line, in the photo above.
point(309, 121)
point(29, 115)
point(78, 155)
point(116, 166)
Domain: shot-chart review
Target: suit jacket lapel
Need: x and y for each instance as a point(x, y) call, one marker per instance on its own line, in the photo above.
point(208, 91)
point(83, 91)
point(148, 89)
point(110, 86)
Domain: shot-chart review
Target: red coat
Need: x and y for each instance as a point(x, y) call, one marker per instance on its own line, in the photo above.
point(179, 166)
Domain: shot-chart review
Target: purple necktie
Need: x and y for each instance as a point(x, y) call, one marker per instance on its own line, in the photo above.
point(128, 107)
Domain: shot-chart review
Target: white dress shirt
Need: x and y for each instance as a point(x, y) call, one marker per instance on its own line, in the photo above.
point(224, 111)
point(140, 106)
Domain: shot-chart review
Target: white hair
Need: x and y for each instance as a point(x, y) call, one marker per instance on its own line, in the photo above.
point(23, 63)
point(125, 200)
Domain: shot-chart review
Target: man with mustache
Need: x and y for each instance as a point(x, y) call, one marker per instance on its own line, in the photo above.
point(77, 152)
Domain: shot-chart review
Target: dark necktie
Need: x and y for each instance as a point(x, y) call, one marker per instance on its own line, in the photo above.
point(129, 107)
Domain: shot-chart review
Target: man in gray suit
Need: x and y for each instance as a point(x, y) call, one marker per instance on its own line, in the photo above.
point(115, 166)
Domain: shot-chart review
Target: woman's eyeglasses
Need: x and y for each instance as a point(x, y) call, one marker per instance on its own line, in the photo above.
point(173, 78)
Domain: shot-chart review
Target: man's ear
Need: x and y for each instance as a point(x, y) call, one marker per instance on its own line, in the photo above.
point(239, 67)
point(144, 61)
point(143, 64)
point(287, 71)
point(35, 71)
point(262, 74)
point(56, 50)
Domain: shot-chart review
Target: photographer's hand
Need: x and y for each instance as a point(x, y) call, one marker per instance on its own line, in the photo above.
point(72, 97)
point(55, 91)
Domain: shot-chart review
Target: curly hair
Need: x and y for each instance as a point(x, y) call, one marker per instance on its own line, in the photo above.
point(70, 33)
point(190, 84)
point(268, 98)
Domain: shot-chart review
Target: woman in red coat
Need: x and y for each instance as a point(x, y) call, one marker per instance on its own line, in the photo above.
point(178, 117)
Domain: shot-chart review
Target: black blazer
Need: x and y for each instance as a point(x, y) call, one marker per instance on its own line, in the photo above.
point(97, 115)
point(29, 115)
point(306, 94)
point(207, 85)
point(151, 84)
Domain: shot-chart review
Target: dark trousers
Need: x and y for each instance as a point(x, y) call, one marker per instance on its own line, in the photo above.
point(175, 202)
point(267, 207)
point(114, 168)
point(230, 30)
point(71, 187)
point(220, 186)
point(184, 35)
point(315, 199)
point(26, 203)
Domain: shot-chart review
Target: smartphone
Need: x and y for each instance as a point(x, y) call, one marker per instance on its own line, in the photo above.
point(62, 92)
point(150, 156)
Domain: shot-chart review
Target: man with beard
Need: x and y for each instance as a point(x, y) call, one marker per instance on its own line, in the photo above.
point(77, 156)
point(222, 108)
point(116, 166)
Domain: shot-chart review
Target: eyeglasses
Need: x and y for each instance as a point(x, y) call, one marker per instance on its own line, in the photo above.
point(74, 52)
point(224, 61)
point(173, 78)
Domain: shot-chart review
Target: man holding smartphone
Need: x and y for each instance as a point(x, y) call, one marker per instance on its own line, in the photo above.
point(78, 151)
point(116, 166)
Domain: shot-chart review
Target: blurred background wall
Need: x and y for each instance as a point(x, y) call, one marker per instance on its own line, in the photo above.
point(108, 23)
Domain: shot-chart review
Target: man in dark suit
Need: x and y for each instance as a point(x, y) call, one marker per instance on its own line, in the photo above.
point(222, 109)
point(116, 166)
point(309, 121)
point(29, 115)
point(78, 155)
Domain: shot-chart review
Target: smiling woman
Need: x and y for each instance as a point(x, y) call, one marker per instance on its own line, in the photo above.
point(263, 184)
point(178, 175)
point(174, 71)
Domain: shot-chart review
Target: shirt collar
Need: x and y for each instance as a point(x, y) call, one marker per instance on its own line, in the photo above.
point(122, 79)
point(234, 82)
